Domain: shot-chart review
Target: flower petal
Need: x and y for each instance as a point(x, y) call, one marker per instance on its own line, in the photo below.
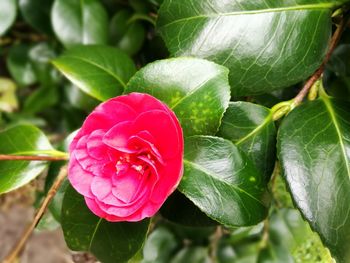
point(117, 137)
point(105, 116)
point(101, 187)
point(88, 163)
point(141, 102)
point(79, 178)
point(162, 127)
point(95, 146)
point(169, 178)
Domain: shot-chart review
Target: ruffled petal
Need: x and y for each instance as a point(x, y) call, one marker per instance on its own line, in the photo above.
point(96, 167)
point(162, 127)
point(94, 207)
point(95, 146)
point(103, 117)
point(141, 102)
point(101, 187)
point(169, 178)
point(79, 178)
point(117, 137)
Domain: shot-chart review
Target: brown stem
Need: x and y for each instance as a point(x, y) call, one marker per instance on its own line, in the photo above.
point(334, 42)
point(11, 257)
point(8, 157)
point(215, 240)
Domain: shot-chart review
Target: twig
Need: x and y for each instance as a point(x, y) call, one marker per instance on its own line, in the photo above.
point(8, 157)
point(215, 240)
point(334, 42)
point(11, 257)
point(265, 235)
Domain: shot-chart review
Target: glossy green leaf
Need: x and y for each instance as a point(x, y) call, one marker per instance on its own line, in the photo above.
point(37, 14)
point(223, 182)
point(79, 22)
point(21, 140)
point(8, 11)
point(251, 128)
point(127, 36)
point(8, 98)
point(196, 90)
point(187, 214)
point(100, 71)
point(267, 45)
point(109, 242)
point(19, 65)
point(314, 149)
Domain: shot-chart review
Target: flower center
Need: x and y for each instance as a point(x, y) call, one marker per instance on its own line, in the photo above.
point(132, 173)
point(139, 163)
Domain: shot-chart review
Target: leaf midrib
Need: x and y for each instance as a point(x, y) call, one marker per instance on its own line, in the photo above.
point(238, 189)
point(327, 102)
point(96, 65)
point(255, 131)
point(318, 6)
point(191, 92)
point(94, 233)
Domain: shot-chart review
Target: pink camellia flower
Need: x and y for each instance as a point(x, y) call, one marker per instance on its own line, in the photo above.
point(127, 158)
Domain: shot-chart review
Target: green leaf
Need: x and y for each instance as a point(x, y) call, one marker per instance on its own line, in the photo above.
point(187, 214)
point(8, 11)
point(339, 62)
point(79, 22)
point(159, 246)
point(40, 57)
point(193, 255)
point(222, 182)
point(266, 45)
point(251, 128)
point(8, 98)
point(109, 242)
point(80, 99)
point(314, 149)
point(100, 71)
point(47, 223)
point(21, 140)
point(41, 99)
point(196, 90)
point(55, 205)
point(19, 65)
point(274, 254)
point(140, 6)
point(37, 14)
point(288, 229)
point(127, 36)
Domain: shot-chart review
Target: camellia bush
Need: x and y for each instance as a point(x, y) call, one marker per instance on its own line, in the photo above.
point(181, 131)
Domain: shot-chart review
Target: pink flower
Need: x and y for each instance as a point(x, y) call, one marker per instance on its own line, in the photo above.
point(127, 158)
